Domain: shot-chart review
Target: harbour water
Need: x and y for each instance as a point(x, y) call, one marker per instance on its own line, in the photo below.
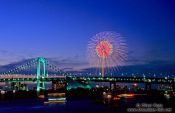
point(85, 105)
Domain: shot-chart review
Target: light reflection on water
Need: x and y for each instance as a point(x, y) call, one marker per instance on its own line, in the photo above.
point(37, 106)
point(71, 106)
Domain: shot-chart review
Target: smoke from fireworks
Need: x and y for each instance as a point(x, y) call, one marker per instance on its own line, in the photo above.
point(106, 50)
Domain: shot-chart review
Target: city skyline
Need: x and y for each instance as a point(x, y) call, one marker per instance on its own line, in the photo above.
point(61, 30)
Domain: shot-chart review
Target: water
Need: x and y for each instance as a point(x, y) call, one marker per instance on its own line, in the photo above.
point(37, 106)
point(85, 105)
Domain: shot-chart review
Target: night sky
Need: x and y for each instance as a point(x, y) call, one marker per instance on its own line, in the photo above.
point(60, 29)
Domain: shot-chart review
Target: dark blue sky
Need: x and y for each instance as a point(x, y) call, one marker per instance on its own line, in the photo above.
point(61, 29)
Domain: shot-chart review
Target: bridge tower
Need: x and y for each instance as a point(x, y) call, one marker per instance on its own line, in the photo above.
point(41, 75)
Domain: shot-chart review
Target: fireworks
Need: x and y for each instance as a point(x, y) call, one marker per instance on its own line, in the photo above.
point(106, 50)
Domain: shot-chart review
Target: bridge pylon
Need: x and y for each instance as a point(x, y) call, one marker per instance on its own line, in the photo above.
point(41, 75)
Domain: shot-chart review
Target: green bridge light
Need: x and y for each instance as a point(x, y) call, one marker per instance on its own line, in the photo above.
point(39, 74)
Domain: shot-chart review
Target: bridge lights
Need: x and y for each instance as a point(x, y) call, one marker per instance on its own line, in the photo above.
point(135, 84)
point(149, 80)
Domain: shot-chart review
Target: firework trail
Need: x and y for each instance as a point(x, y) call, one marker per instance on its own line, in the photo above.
point(106, 50)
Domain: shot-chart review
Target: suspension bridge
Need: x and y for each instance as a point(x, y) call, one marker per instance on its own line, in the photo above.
point(42, 66)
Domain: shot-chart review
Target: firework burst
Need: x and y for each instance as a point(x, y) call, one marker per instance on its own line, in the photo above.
point(106, 50)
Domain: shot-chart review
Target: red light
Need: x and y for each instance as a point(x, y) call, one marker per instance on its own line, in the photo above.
point(104, 49)
point(126, 95)
point(116, 98)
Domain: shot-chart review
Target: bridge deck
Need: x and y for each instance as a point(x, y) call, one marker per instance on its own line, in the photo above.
point(95, 79)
